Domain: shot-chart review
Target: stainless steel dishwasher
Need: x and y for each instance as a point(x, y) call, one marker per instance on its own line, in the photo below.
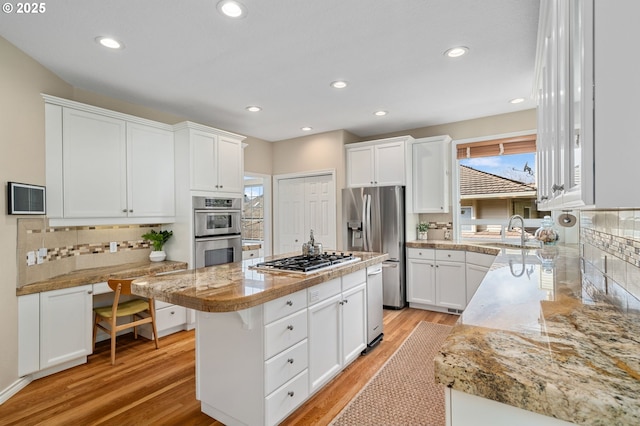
point(374, 306)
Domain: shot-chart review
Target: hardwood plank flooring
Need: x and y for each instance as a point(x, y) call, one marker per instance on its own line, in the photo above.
point(157, 387)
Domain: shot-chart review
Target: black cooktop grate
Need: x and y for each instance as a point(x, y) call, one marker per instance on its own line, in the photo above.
point(306, 263)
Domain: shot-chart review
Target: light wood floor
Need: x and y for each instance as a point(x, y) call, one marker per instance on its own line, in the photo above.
point(148, 386)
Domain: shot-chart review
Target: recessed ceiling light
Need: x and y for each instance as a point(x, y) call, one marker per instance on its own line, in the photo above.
point(338, 84)
point(232, 9)
point(516, 101)
point(109, 42)
point(306, 128)
point(456, 52)
point(380, 113)
point(253, 108)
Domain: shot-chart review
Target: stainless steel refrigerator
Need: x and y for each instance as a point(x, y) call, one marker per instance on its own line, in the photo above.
point(374, 221)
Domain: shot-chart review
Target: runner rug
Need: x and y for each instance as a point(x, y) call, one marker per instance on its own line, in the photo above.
point(404, 391)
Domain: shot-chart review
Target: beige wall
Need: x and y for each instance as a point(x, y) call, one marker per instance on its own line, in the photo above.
point(22, 160)
point(476, 128)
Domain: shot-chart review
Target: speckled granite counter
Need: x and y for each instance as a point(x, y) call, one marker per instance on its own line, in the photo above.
point(452, 245)
point(235, 286)
point(97, 275)
point(540, 339)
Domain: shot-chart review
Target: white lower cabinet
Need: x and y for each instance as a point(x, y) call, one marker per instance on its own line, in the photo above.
point(256, 366)
point(337, 326)
point(444, 280)
point(55, 327)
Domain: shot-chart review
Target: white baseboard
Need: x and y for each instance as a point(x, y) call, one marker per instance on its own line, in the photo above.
point(14, 388)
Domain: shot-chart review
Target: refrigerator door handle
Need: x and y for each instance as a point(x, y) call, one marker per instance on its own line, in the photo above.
point(367, 223)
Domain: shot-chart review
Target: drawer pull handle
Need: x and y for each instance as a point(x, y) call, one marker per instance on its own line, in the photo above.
point(289, 303)
point(290, 393)
point(289, 327)
point(173, 312)
point(290, 360)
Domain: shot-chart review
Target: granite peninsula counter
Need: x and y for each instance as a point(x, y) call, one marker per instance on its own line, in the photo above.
point(541, 338)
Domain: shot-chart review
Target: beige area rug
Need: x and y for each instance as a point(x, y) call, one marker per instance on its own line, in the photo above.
point(404, 391)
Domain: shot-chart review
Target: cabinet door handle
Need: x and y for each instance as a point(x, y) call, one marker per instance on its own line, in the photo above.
point(290, 360)
point(124, 210)
point(131, 211)
point(173, 312)
point(290, 393)
point(289, 327)
point(289, 303)
point(89, 291)
point(346, 300)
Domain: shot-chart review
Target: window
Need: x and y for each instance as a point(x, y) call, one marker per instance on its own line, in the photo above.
point(253, 211)
point(496, 180)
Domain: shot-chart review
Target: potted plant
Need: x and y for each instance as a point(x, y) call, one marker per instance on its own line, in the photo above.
point(423, 227)
point(157, 240)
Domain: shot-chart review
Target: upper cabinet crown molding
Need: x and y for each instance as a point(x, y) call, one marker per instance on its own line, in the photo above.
point(105, 112)
point(201, 127)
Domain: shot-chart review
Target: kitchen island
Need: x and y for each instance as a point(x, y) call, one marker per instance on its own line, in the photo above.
point(541, 345)
point(266, 341)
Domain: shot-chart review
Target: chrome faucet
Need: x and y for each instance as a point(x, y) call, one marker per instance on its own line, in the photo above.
point(523, 236)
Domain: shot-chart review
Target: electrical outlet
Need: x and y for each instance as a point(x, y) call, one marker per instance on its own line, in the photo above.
point(113, 246)
point(42, 252)
point(31, 258)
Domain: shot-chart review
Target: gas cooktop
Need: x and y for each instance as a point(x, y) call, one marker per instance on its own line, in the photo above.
point(306, 264)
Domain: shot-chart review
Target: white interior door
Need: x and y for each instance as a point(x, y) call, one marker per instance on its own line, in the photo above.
point(320, 211)
point(291, 212)
point(305, 203)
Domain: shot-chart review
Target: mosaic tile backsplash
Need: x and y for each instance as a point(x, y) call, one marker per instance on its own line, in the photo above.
point(610, 249)
point(72, 248)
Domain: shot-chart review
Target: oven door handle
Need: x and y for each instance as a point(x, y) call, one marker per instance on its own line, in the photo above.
point(217, 237)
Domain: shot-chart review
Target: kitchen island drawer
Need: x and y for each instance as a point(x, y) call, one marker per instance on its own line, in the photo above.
point(285, 305)
point(284, 366)
point(285, 332)
point(287, 398)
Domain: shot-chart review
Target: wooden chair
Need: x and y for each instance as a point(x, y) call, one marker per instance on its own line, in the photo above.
point(110, 314)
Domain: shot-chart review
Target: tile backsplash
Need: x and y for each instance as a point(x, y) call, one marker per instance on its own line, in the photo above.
point(610, 248)
point(77, 247)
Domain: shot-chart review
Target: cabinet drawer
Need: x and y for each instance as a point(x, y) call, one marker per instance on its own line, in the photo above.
point(419, 253)
point(285, 305)
point(353, 279)
point(323, 291)
point(284, 366)
point(480, 258)
point(287, 398)
point(170, 316)
point(451, 255)
point(284, 333)
point(101, 288)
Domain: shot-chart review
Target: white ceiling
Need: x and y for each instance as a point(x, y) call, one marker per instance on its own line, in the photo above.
point(184, 58)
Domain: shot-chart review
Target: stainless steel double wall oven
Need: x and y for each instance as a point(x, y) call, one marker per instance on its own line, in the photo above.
point(217, 230)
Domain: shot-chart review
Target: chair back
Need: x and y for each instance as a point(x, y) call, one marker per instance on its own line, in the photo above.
point(125, 285)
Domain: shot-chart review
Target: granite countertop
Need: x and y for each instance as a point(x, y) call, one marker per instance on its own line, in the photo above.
point(540, 338)
point(235, 286)
point(453, 245)
point(98, 275)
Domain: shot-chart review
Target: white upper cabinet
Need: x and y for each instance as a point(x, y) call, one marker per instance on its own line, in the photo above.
point(94, 165)
point(215, 159)
point(150, 172)
point(104, 167)
point(430, 174)
point(586, 104)
point(377, 163)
